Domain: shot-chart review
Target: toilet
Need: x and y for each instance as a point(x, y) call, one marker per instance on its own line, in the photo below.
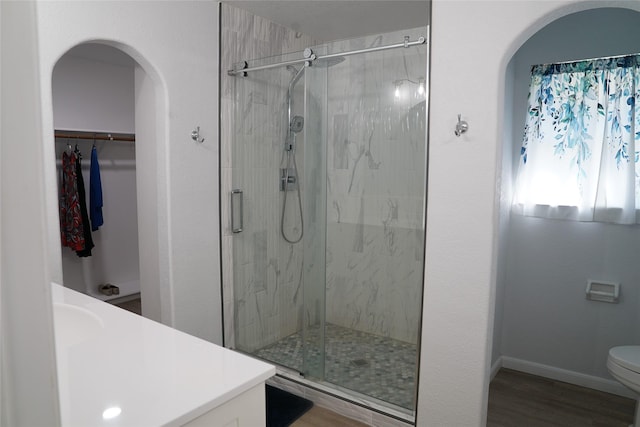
point(624, 365)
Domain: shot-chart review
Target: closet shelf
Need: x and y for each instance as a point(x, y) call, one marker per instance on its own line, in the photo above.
point(103, 136)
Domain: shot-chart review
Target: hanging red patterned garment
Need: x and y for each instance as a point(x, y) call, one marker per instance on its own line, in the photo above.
point(71, 226)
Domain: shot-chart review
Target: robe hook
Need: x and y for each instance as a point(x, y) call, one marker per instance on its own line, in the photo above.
point(195, 135)
point(461, 127)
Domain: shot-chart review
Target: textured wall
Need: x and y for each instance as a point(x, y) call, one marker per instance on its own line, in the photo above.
point(472, 43)
point(178, 192)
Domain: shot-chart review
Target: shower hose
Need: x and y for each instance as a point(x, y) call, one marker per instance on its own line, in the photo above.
point(291, 159)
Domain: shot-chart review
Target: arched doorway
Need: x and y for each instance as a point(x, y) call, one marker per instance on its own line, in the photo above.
point(104, 98)
point(543, 322)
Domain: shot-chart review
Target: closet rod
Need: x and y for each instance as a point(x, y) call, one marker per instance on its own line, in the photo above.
point(104, 136)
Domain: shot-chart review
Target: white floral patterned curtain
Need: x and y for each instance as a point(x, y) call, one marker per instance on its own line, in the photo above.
point(580, 151)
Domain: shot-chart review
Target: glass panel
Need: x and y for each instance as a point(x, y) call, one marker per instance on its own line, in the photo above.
point(328, 280)
point(267, 276)
point(314, 197)
point(375, 233)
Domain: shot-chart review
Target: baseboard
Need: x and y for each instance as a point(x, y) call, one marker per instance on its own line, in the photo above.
point(495, 368)
point(571, 377)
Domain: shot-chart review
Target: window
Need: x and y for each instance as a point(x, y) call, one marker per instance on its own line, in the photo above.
point(580, 150)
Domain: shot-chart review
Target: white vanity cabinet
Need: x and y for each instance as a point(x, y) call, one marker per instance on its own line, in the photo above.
point(111, 361)
point(246, 410)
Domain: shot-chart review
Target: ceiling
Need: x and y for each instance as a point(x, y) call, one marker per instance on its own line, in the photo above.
point(336, 20)
point(322, 20)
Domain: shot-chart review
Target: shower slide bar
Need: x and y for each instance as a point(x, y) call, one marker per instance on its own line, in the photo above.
point(242, 68)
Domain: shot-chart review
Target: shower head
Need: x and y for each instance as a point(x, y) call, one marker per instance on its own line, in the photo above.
point(320, 63)
point(328, 62)
point(297, 123)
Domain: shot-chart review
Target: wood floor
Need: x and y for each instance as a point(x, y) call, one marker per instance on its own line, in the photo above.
point(133, 305)
point(517, 399)
point(321, 417)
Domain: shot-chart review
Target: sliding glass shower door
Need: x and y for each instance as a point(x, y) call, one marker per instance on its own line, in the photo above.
point(267, 270)
point(329, 171)
point(279, 184)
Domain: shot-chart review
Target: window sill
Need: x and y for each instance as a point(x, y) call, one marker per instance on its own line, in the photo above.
point(575, 213)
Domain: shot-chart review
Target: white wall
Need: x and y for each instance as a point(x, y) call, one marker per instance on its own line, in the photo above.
point(548, 262)
point(176, 43)
point(472, 42)
point(28, 369)
point(506, 190)
point(547, 317)
point(92, 94)
point(153, 274)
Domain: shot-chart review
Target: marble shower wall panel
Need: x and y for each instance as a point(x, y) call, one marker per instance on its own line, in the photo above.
point(376, 188)
point(340, 141)
point(262, 292)
point(375, 289)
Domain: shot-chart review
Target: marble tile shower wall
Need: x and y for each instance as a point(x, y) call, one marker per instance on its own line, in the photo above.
point(262, 298)
point(376, 188)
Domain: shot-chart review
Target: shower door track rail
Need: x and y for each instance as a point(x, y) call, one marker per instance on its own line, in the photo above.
point(242, 68)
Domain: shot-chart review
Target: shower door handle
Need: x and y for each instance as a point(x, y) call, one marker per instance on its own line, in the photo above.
point(237, 214)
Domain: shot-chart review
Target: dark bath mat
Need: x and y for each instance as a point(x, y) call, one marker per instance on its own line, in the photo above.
point(283, 408)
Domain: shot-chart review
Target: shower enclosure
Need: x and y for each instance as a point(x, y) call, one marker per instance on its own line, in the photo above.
point(323, 213)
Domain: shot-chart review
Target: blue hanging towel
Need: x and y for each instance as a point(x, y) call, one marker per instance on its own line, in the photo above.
point(95, 192)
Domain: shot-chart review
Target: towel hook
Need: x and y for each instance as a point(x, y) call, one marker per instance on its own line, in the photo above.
point(195, 135)
point(461, 127)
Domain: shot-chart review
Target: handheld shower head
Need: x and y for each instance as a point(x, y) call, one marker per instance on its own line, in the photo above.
point(295, 126)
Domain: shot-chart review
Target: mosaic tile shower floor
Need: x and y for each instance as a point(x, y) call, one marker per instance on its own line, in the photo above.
point(376, 366)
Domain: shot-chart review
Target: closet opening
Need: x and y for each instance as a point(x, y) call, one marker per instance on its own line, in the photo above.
point(94, 117)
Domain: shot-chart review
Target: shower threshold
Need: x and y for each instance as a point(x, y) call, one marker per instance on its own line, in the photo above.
point(358, 365)
point(348, 402)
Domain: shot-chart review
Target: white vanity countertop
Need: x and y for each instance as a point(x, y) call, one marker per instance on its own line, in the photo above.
point(156, 375)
